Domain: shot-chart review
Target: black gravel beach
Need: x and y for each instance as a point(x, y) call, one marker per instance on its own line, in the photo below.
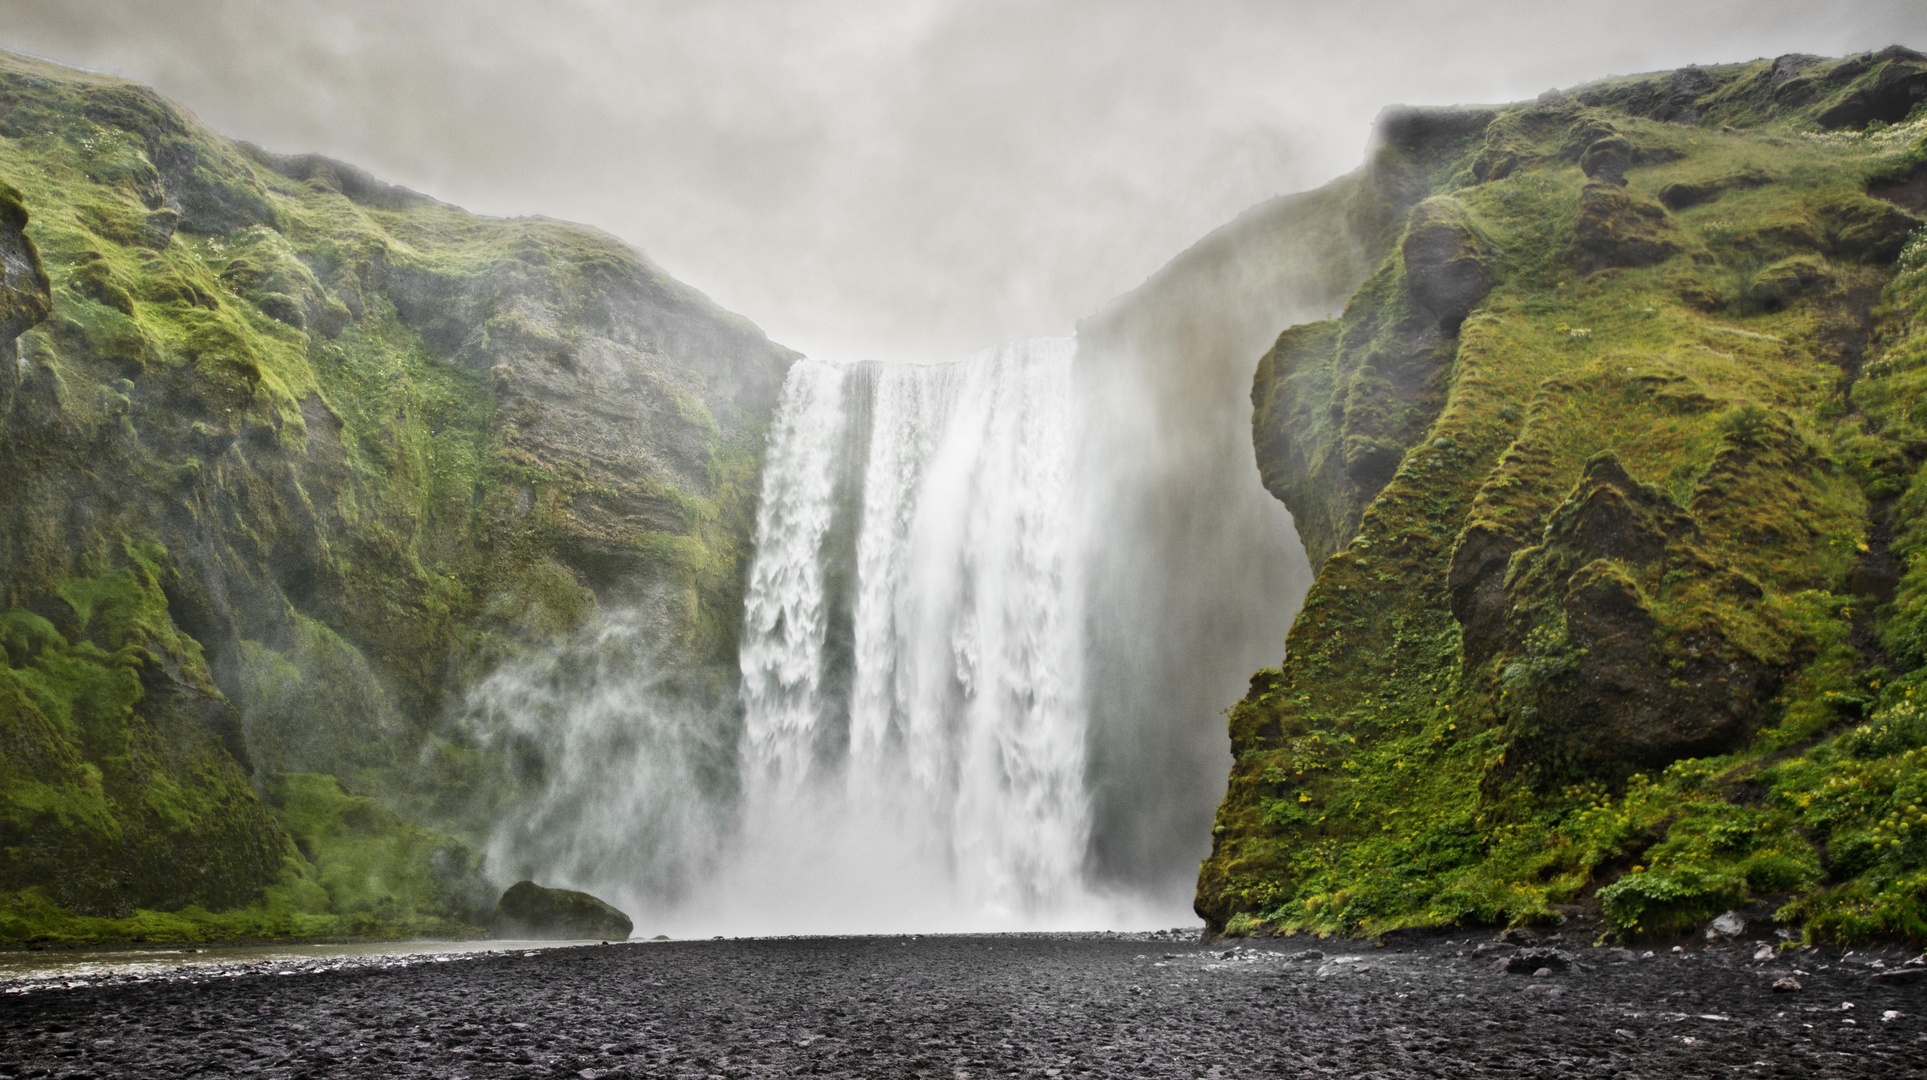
point(1008, 1005)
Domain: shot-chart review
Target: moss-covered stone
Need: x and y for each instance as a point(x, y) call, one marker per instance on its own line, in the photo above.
point(528, 910)
point(1603, 618)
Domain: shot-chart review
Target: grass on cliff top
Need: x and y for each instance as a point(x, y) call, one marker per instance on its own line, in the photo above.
point(1366, 802)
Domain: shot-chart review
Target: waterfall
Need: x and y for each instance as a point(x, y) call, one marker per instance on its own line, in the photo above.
point(914, 717)
point(993, 612)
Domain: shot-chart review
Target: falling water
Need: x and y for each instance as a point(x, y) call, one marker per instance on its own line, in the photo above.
point(914, 720)
point(993, 612)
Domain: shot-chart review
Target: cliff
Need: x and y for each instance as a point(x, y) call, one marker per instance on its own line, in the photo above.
point(293, 456)
point(1214, 573)
point(1611, 468)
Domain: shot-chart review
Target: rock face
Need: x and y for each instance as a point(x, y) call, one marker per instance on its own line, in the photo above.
point(25, 294)
point(1643, 687)
point(292, 458)
point(1335, 403)
point(528, 910)
point(1443, 269)
point(1618, 229)
point(1610, 471)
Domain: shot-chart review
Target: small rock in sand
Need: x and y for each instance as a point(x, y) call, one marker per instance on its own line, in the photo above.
point(1530, 961)
point(1902, 975)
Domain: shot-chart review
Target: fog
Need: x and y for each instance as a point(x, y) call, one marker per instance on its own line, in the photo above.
point(887, 179)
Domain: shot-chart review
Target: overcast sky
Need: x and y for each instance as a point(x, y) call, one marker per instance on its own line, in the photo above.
point(912, 179)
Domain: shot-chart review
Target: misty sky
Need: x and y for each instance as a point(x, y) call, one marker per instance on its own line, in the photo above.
point(895, 180)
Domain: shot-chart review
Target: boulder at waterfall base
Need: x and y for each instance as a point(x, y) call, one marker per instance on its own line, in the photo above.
point(528, 910)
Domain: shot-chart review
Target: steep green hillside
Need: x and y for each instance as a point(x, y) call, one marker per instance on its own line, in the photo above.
point(291, 456)
point(1613, 469)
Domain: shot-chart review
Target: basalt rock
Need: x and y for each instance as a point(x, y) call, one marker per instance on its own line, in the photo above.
point(1682, 194)
point(1637, 684)
point(528, 910)
point(1476, 585)
point(25, 293)
point(1898, 88)
point(1616, 227)
point(1528, 961)
point(1443, 268)
point(1607, 160)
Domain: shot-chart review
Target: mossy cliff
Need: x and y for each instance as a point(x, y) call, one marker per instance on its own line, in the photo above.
point(291, 457)
point(1613, 471)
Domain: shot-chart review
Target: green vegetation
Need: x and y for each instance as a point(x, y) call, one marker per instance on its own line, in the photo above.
point(1614, 469)
point(292, 457)
point(349, 868)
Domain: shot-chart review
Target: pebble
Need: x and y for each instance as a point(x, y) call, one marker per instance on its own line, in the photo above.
point(976, 1005)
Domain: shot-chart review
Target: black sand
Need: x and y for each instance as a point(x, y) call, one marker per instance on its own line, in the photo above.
point(988, 1006)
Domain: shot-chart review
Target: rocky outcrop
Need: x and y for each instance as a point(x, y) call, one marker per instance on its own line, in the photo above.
point(1681, 194)
point(293, 457)
point(528, 910)
point(1338, 403)
point(1619, 228)
point(1641, 684)
point(1607, 160)
point(25, 293)
point(1613, 612)
point(1897, 85)
point(1444, 266)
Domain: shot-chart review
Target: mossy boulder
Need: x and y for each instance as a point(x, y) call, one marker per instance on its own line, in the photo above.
point(1644, 685)
point(528, 910)
point(1617, 228)
point(1444, 270)
point(1607, 160)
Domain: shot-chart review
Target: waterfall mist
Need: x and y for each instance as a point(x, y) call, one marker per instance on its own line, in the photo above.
point(995, 612)
point(627, 776)
point(1202, 569)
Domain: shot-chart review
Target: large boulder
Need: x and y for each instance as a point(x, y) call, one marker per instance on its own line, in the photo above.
point(1617, 227)
point(1443, 268)
point(528, 910)
point(1635, 680)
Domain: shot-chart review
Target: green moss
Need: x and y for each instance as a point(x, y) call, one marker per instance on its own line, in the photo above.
point(1425, 754)
point(333, 418)
point(372, 862)
point(118, 781)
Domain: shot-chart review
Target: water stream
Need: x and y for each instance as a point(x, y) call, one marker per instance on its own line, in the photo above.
point(912, 656)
